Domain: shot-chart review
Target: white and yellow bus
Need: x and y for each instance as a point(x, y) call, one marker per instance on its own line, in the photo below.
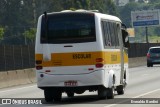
point(77, 51)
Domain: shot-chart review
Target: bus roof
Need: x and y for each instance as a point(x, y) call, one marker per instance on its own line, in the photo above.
point(108, 17)
point(100, 15)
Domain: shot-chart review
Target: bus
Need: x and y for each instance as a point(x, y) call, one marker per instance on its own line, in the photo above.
point(81, 50)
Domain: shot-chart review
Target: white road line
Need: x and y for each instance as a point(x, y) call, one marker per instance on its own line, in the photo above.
point(147, 93)
point(111, 105)
point(16, 89)
point(145, 74)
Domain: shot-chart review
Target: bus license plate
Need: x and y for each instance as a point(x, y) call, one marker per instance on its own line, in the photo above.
point(71, 83)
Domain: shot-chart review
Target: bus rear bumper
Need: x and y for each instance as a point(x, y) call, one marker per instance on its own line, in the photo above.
point(91, 79)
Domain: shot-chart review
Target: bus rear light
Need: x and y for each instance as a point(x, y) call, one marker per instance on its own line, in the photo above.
point(99, 65)
point(39, 67)
point(38, 61)
point(99, 60)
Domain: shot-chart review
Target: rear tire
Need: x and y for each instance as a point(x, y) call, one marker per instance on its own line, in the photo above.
point(57, 96)
point(110, 93)
point(149, 65)
point(120, 89)
point(102, 93)
point(48, 95)
point(70, 94)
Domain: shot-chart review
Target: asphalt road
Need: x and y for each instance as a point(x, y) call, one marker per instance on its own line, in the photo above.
point(144, 83)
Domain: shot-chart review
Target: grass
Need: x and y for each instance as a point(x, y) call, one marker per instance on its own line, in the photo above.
point(154, 39)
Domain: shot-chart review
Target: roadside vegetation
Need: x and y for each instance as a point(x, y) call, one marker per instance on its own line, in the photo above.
point(124, 13)
point(18, 18)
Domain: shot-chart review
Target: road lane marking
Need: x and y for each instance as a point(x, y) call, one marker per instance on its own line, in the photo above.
point(147, 93)
point(145, 74)
point(111, 105)
point(16, 89)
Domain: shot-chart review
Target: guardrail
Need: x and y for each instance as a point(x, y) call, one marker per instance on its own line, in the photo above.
point(13, 57)
point(140, 49)
point(17, 77)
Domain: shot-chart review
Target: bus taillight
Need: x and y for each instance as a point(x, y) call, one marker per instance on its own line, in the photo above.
point(39, 67)
point(99, 65)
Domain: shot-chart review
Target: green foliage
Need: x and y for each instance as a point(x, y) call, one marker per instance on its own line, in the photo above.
point(1, 33)
point(154, 1)
point(110, 7)
point(154, 39)
point(125, 12)
point(30, 34)
point(18, 15)
point(125, 15)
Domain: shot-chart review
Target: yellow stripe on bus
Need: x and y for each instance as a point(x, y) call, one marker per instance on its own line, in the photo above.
point(81, 58)
point(39, 56)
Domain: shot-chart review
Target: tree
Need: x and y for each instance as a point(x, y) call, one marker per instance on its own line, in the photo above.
point(110, 7)
point(30, 35)
point(1, 33)
point(141, 1)
point(125, 12)
point(98, 5)
point(18, 15)
point(131, 0)
point(15, 17)
point(154, 1)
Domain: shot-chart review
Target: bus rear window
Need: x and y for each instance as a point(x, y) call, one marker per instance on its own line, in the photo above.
point(68, 28)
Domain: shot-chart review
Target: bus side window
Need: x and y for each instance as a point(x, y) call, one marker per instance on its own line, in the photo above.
point(106, 34)
point(116, 30)
point(111, 27)
point(110, 32)
point(108, 40)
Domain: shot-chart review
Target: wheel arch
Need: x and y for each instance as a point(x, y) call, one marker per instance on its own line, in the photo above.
point(111, 78)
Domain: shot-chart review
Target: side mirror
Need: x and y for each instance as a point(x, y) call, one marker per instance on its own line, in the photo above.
point(126, 43)
point(125, 38)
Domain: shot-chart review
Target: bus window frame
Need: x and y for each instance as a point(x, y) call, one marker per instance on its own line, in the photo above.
point(108, 33)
